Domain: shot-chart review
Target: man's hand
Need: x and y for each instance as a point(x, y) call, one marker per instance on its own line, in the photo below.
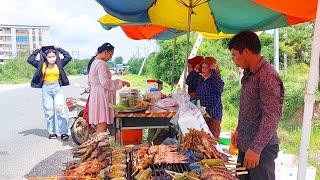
point(251, 159)
point(234, 137)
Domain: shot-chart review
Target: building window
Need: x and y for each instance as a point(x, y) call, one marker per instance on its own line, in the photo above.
point(22, 47)
point(22, 39)
point(5, 46)
point(22, 31)
point(40, 38)
point(5, 30)
point(5, 39)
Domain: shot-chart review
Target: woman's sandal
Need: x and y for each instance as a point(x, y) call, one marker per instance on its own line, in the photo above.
point(64, 137)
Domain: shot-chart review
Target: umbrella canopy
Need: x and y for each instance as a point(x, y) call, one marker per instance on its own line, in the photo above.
point(138, 31)
point(213, 16)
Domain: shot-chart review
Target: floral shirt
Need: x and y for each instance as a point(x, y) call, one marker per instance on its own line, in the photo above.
point(261, 100)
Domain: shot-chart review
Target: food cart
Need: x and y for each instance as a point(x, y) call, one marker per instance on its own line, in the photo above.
point(141, 120)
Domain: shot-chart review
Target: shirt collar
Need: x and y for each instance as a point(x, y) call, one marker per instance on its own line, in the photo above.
point(257, 69)
point(260, 65)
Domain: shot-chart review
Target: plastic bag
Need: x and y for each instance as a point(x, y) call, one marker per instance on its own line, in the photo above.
point(188, 115)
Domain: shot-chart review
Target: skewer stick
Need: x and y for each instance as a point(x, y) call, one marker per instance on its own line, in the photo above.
point(209, 168)
point(240, 173)
point(241, 169)
point(171, 172)
point(134, 172)
point(232, 163)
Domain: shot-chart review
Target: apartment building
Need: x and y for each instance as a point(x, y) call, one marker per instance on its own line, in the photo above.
point(17, 40)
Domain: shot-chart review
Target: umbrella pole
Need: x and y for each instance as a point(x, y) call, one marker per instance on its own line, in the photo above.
point(309, 99)
point(174, 62)
point(188, 39)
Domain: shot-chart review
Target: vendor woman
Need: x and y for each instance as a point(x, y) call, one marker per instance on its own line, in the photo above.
point(206, 80)
point(102, 89)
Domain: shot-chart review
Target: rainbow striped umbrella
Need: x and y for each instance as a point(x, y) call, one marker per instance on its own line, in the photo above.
point(213, 16)
point(138, 31)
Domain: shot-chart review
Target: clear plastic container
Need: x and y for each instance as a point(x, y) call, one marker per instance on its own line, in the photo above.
point(151, 83)
point(128, 96)
point(155, 95)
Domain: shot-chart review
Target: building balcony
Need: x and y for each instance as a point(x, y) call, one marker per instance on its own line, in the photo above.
point(5, 34)
point(23, 43)
point(5, 49)
point(22, 34)
point(5, 42)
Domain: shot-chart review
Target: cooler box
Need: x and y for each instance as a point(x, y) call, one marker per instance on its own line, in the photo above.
point(131, 136)
point(225, 138)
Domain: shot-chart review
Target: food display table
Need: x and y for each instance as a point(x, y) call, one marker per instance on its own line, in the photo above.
point(141, 120)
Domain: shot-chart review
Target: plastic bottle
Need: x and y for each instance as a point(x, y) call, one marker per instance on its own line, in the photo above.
point(233, 150)
point(151, 84)
point(155, 95)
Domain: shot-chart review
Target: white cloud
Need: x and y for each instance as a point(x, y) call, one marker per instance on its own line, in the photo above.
point(73, 25)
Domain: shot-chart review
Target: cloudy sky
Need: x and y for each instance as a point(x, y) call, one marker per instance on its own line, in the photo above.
point(73, 25)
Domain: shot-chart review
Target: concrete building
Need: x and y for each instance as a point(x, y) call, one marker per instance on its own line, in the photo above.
point(16, 40)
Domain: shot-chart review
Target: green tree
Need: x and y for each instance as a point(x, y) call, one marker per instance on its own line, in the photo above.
point(164, 67)
point(118, 60)
point(296, 41)
point(134, 65)
point(111, 64)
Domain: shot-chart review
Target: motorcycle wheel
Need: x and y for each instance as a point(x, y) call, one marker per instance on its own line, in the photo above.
point(80, 131)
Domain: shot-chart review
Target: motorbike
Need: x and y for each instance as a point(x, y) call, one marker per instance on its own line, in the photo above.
point(80, 128)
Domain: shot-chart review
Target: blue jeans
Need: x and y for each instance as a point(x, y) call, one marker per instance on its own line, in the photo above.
point(53, 107)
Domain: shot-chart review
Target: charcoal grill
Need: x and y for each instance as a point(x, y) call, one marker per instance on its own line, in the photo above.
point(158, 170)
point(159, 173)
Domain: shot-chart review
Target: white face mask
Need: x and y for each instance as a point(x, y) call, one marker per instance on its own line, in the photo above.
point(52, 60)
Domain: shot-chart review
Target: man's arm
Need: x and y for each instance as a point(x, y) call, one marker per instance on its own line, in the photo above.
point(271, 105)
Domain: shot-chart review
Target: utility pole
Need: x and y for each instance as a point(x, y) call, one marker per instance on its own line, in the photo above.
point(276, 49)
point(194, 51)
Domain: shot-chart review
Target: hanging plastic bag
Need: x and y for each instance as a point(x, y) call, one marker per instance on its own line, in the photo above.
point(188, 115)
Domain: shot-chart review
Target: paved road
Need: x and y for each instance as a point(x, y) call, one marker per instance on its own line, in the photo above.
point(25, 149)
